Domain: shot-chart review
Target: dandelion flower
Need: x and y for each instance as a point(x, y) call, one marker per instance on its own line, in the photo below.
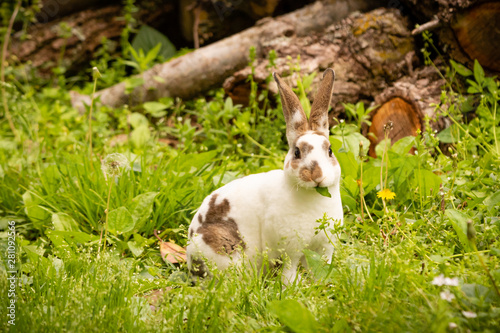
point(113, 164)
point(386, 194)
point(447, 296)
point(469, 314)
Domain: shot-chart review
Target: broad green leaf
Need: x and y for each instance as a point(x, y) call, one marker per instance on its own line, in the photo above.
point(450, 134)
point(426, 181)
point(323, 191)
point(348, 163)
point(61, 248)
point(478, 72)
point(403, 145)
point(64, 222)
point(492, 200)
point(458, 221)
point(140, 136)
point(371, 177)
point(120, 221)
point(76, 237)
point(136, 248)
point(148, 38)
point(142, 207)
point(319, 268)
point(461, 69)
point(37, 214)
point(136, 120)
point(156, 109)
point(350, 185)
point(294, 315)
point(379, 148)
point(194, 162)
point(351, 140)
point(479, 294)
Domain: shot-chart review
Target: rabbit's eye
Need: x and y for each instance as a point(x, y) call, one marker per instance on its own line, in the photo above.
point(297, 152)
point(330, 152)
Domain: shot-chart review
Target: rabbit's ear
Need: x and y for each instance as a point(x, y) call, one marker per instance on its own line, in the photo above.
point(318, 121)
point(296, 120)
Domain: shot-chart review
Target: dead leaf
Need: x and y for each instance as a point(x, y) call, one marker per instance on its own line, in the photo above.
point(172, 252)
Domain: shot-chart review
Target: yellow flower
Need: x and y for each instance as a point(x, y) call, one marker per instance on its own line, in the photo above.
point(386, 194)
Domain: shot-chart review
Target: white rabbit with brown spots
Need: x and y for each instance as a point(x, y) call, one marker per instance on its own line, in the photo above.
point(275, 212)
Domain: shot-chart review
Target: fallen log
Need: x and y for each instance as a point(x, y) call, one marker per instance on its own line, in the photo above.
point(209, 66)
point(367, 51)
point(86, 30)
point(373, 58)
point(207, 21)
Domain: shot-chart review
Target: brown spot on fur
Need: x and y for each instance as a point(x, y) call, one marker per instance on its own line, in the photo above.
point(305, 174)
point(219, 231)
point(287, 165)
point(318, 119)
point(326, 145)
point(191, 232)
point(316, 171)
point(312, 173)
point(322, 133)
point(305, 148)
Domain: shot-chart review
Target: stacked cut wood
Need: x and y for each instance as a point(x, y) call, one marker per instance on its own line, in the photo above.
point(373, 53)
point(466, 29)
point(48, 45)
point(373, 58)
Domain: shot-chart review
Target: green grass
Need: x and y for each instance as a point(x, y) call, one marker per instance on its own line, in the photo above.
point(382, 272)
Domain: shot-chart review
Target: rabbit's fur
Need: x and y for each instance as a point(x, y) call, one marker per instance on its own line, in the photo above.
point(274, 212)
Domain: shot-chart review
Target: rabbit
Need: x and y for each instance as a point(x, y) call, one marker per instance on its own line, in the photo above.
point(274, 212)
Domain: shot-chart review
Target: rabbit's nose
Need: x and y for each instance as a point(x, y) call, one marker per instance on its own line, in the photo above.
point(319, 181)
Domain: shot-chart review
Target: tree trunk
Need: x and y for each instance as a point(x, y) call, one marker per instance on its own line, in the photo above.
point(467, 30)
point(209, 66)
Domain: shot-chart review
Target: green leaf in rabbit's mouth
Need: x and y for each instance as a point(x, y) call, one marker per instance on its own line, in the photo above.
point(323, 191)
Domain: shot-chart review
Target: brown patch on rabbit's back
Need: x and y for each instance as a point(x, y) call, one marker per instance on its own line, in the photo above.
point(218, 230)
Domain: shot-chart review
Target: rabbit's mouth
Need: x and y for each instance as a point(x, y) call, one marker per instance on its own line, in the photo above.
point(320, 183)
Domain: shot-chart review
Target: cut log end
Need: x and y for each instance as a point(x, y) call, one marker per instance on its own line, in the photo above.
point(403, 114)
point(478, 31)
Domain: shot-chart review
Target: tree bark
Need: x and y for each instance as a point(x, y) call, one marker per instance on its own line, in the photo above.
point(466, 29)
point(47, 48)
point(54, 9)
point(209, 66)
point(367, 51)
point(373, 58)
